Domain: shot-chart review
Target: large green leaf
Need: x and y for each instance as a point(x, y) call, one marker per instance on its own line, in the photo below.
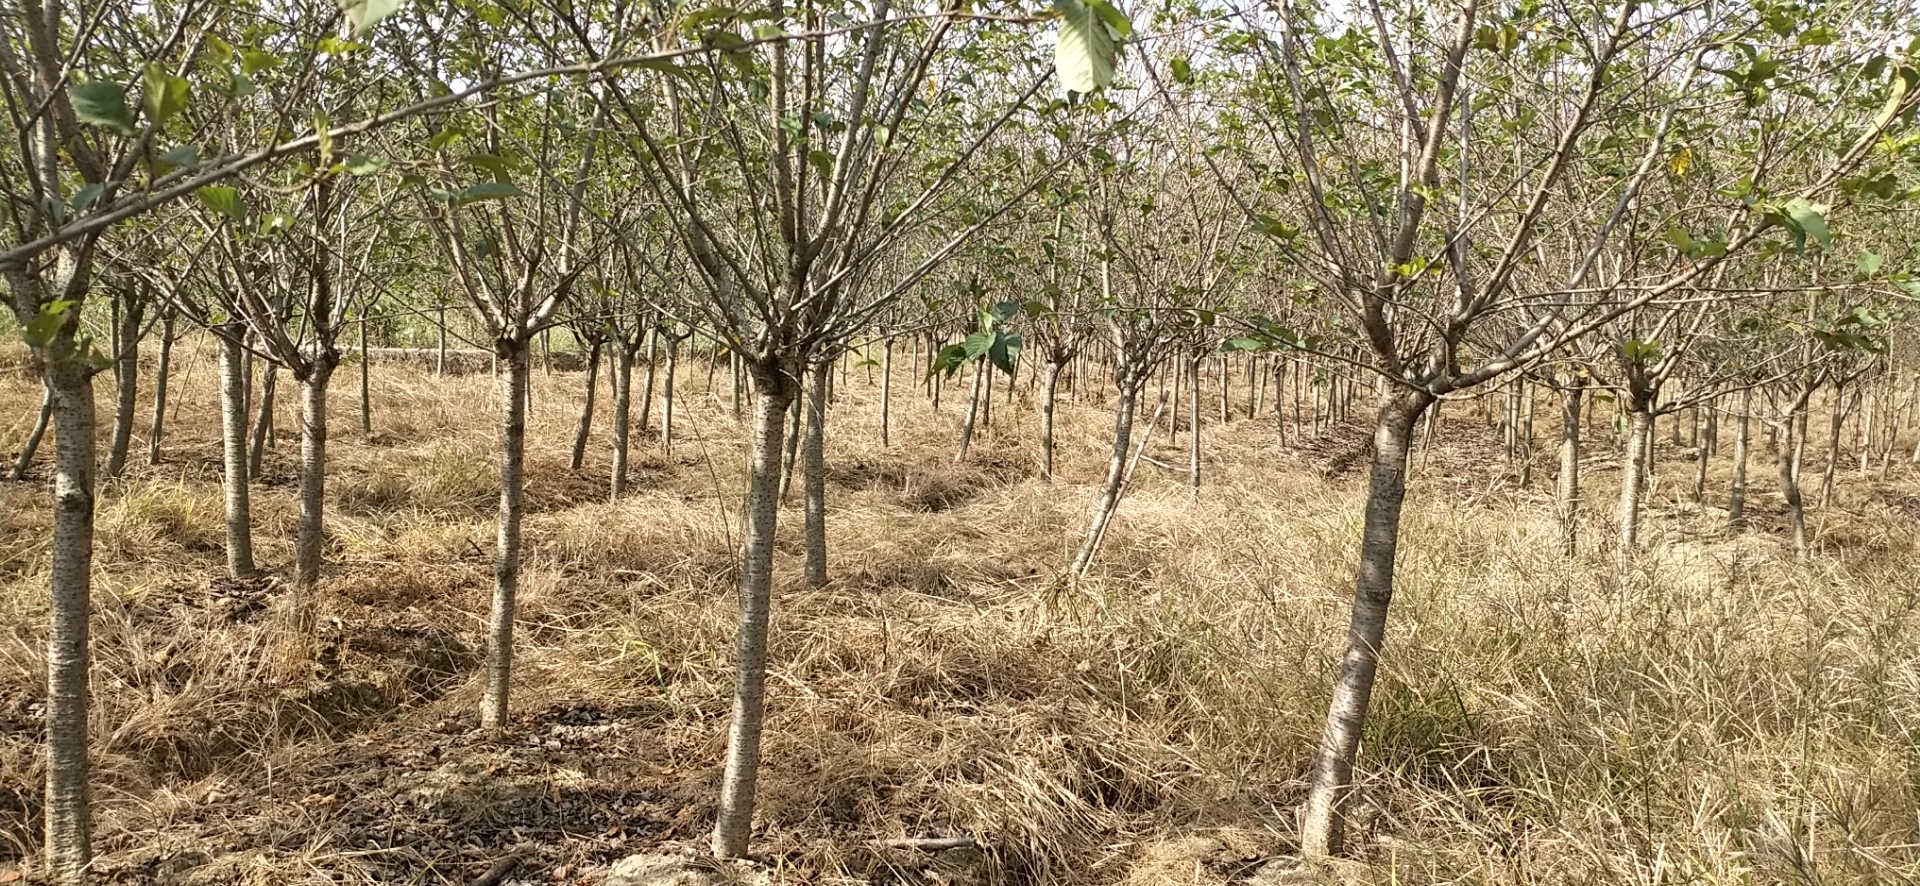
point(1084, 51)
point(488, 191)
point(224, 200)
point(165, 94)
point(102, 103)
point(1807, 219)
point(366, 13)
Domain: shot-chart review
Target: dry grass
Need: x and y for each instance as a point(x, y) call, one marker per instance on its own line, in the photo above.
point(1707, 711)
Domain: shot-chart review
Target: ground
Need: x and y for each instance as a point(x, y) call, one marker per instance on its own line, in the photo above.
point(1704, 710)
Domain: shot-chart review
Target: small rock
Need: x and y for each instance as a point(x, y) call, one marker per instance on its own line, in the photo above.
point(660, 870)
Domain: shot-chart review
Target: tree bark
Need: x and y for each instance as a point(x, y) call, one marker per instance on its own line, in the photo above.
point(233, 433)
point(32, 445)
point(68, 798)
point(1737, 498)
point(1323, 830)
point(440, 357)
point(162, 366)
point(973, 413)
point(1193, 419)
point(1789, 473)
point(1049, 389)
point(506, 556)
point(584, 429)
point(1569, 486)
point(1633, 466)
point(666, 395)
point(1129, 381)
point(263, 420)
point(886, 393)
point(366, 384)
point(311, 540)
point(126, 363)
point(646, 399)
point(773, 393)
point(814, 452)
point(1835, 420)
point(623, 354)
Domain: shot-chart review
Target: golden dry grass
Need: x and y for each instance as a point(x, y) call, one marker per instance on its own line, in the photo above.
point(1707, 711)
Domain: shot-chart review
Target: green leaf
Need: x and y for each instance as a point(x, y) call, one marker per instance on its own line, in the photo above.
point(224, 200)
point(1818, 36)
point(84, 197)
point(1869, 263)
point(104, 104)
point(363, 164)
point(253, 61)
point(183, 156)
point(164, 95)
point(1182, 70)
point(364, 14)
point(39, 331)
point(822, 161)
point(487, 191)
point(1111, 16)
point(1807, 218)
point(1084, 51)
point(1004, 351)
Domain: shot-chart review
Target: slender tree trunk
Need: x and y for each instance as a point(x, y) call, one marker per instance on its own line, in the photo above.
point(646, 399)
point(1526, 435)
point(1835, 421)
point(1701, 454)
point(773, 394)
point(506, 557)
point(1633, 473)
point(1049, 384)
point(126, 381)
point(1569, 491)
point(1789, 473)
point(162, 366)
point(584, 429)
point(973, 412)
point(814, 452)
point(1193, 418)
point(886, 393)
point(1323, 830)
point(623, 354)
point(263, 420)
point(68, 799)
point(1737, 498)
point(313, 479)
point(734, 368)
point(366, 386)
point(233, 430)
point(666, 396)
point(39, 432)
point(1128, 380)
point(440, 357)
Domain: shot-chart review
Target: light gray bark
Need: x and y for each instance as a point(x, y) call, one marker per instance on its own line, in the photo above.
point(162, 366)
point(506, 556)
point(68, 798)
point(1129, 380)
point(1049, 385)
point(1633, 466)
point(646, 398)
point(973, 413)
point(886, 393)
point(813, 450)
point(1323, 828)
point(263, 419)
point(366, 385)
point(1569, 486)
point(233, 433)
point(1193, 417)
point(773, 393)
point(623, 354)
point(666, 395)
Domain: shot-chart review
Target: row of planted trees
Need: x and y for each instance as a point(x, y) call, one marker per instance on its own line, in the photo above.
point(1397, 205)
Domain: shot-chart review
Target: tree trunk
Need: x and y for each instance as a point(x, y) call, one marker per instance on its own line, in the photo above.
point(1789, 468)
point(666, 396)
point(233, 433)
point(313, 478)
point(1193, 418)
point(886, 393)
point(1737, 498)
point(646, 399)
point(739, 379)
point(584, 429)
point(814, 452)
point(162, 366)
point(506, 555)
point(1633, 467)
point(366, 386)
point(1049, 389)
point(1526, 435)
point(1129, 381)
point(1569, 491)
point(772, 395)
point(1834, 423)
point(263, 420)
point(973, 413)
point(39, 432)
point(440, 358)
point(126, 374)
point(1323, 830)
point(68, 800)
point(623, 354)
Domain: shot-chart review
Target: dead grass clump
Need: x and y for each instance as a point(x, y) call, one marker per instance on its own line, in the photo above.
point(170, 514)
